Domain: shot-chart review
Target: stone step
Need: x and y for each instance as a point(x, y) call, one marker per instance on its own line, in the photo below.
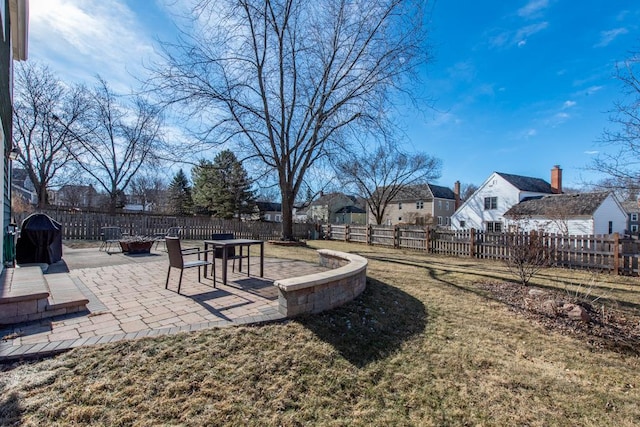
point(27, 294)
point(63, 293)
point(22, 284)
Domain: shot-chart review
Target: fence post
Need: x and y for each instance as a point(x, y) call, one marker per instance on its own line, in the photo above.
point(396, 236)
point(472, 242)
point(369, 232)
point(616, 254)
point(427, 239)
point(346, 232)
point(328, 235)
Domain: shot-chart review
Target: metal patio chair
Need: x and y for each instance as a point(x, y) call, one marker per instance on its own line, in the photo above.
point(110, 236)
point(176, 260)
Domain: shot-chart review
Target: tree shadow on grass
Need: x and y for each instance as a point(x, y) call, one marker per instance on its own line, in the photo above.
point(371, 327)
point(10, 410)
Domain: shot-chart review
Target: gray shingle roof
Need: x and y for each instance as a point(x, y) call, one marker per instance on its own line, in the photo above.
point(631, 206)
point(526, 183)
point(351, 209)
point(440, 192)
point(558, 204)
point(423, 192)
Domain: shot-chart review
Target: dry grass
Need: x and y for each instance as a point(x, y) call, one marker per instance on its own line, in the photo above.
point(421, 346)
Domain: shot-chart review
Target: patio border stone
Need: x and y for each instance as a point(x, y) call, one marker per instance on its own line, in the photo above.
point(318, 292)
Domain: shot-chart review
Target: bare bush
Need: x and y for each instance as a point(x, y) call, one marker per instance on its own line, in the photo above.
point(526, 255)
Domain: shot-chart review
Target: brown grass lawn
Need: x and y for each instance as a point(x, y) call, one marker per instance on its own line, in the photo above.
point(422, 346)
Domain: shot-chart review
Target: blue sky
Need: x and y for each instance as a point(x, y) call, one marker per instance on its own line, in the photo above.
point(513, 86)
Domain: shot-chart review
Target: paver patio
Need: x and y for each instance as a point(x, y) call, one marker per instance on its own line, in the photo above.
point(128, 299)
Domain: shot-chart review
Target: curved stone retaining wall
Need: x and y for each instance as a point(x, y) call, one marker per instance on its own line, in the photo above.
point(322, 291)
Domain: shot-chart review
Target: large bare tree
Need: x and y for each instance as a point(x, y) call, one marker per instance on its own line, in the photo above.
point(45, 109)
point(284, 80)
point(622, 164)
point(381, 174)
point(121, 136)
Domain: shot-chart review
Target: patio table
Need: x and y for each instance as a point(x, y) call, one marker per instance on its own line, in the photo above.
point(225, 245)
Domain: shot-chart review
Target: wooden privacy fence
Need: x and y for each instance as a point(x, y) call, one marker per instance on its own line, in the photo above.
point(88, 225)
point(609, 253)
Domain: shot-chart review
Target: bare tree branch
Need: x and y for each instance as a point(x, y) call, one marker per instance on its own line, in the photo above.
point(44, 111)
point(284, 80)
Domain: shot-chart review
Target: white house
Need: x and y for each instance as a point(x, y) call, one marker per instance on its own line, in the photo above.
point(485, 209)
point(569, 214)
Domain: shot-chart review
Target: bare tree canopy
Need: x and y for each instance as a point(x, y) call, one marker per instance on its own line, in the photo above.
point(44, 109)
point(119, 139)
point(381, 174)
point(283, 80)
point(623, 165)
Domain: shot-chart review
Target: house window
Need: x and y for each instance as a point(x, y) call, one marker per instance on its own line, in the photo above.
point(494, 227)
point(399, 205)
point(267, 217)
point(634, 228)
point(610, 227)
point(440, 204)
point(440, 221)
point(447, 220)
point(399, 218)
point(447, 205)
point(463, 223)
point(634, 217)
point(490, 203)
point(278, 217)
point(419, 205)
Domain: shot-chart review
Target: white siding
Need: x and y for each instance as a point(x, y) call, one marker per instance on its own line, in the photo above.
point(472, 211)
point(610, 210)
point(575, 226)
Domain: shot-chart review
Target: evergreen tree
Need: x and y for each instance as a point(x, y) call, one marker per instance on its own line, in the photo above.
point(180, 199)
point(223, 188)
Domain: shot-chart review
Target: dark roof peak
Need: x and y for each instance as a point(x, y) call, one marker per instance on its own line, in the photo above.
point(527, 183)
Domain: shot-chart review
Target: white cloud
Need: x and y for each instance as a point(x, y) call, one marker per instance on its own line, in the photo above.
point(518, 37)
point(529, 30)
point(592, 89)
point(533, 8)
point(81, 38)
point(592, 152)
point(568, 104)
point(528, 133)
point(558, 119)
point(607, 37)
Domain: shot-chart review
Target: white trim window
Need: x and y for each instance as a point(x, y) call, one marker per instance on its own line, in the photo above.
point(634, 217)
point(490, 203)
point(419, 205)
point(494, 227)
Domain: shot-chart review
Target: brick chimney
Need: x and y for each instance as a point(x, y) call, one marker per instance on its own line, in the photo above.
point(556, 180)
point(456, 192)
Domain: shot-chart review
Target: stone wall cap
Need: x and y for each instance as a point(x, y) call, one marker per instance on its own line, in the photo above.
point(356, 265)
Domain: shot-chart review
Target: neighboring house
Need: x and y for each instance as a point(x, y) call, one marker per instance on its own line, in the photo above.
point(351, 215)
point(300, 214)
point(13, 46)
point(77, 196)
point(485, 209)
point(569, 214)
point(22, 186)
point(269, 212)
point(632, 208)
point(324, 209)
point(420, 205)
